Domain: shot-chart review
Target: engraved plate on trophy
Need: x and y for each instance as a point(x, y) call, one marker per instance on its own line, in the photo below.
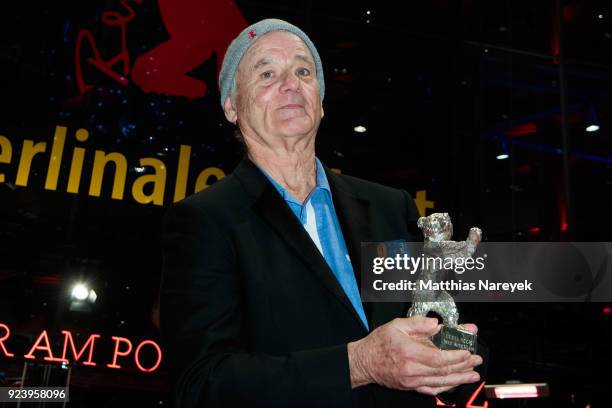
point(437, 231)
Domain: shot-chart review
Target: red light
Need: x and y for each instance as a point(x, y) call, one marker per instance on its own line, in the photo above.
point(441, 404)
point(47, 280)
point(534, 230)
point(607, 310)
point(118, 341)
point(523, 129)
point(159, 356)
point(470, 403)
point(123, 347)
point(3, 338)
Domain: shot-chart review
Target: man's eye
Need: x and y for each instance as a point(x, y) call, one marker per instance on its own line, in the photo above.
point(266, 75)
point(303, 71)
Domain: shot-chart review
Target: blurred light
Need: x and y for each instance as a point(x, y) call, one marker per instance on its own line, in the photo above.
point(92, 296)
point(607, 310)
point(516, 391)
point(139, 169)
point(368, 13)
point(521, 130)
point(600, 16)
point(502, 153)
point(591, 120)
point(80, 291)
point(359, 129)
point(534, 230)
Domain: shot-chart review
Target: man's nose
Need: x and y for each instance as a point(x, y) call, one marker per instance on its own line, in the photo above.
point(291, 82)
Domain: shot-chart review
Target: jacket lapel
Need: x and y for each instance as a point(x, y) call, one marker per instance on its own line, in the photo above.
point(271, 207)
point(357, 227)
point(354, 215)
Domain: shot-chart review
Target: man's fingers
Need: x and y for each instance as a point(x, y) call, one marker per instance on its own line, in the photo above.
point(448, 381)
point(471, 327)
point(414, 368)
point(418, 325)
point(432, 390)
point(418, 364)
point(441, 358)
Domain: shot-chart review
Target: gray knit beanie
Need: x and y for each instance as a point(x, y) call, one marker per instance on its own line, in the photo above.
point(243, 42)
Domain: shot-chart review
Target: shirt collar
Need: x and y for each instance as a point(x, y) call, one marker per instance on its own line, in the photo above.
point(321, 176)
point(321, 182)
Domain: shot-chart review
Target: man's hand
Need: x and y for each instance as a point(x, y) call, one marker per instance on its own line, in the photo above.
point(400, 355)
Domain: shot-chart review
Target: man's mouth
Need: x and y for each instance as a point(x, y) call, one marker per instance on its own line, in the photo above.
point(292, 106)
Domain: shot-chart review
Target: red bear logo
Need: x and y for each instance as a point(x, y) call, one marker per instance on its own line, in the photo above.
point(197, 28)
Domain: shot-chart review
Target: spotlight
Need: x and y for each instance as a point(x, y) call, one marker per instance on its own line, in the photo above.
point(591, 120)
point(80, 291)
point(359, 129)
point(503, 154)
point(92, 296)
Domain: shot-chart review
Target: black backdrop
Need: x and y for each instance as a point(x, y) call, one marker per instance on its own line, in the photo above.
point(442, 89)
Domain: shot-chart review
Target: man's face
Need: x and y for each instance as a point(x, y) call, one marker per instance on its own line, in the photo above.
point(277, 95)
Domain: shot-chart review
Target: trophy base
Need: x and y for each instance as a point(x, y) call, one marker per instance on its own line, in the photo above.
point(455, 338)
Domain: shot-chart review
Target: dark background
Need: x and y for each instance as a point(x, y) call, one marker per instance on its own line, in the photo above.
point(442, 87)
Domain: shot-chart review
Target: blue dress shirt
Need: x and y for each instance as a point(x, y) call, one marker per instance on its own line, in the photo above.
point(318, 216)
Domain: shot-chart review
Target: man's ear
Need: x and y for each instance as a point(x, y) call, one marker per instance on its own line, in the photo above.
point(230, 110)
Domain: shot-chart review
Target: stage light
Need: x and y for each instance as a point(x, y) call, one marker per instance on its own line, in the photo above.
point(502, 153)
point(92, 296)
point(80, 292)
point(591, 120)
point(359, 129)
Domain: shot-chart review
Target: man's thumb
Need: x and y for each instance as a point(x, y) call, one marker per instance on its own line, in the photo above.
point(420, 325)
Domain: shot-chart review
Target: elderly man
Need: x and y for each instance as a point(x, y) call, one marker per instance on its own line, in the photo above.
point(260, 299)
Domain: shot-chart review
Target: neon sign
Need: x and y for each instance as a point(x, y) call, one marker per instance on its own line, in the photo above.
point(121, 351)
point(198, 30)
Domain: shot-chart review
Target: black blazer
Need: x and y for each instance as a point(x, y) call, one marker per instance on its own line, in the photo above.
point(251, 313)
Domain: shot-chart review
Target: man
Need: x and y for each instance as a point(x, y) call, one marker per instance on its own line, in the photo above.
point(260, 298)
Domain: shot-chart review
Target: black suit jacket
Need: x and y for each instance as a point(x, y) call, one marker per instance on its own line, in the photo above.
point(251, 313)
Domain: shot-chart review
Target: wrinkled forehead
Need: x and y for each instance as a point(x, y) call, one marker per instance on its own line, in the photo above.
point(272, 46)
